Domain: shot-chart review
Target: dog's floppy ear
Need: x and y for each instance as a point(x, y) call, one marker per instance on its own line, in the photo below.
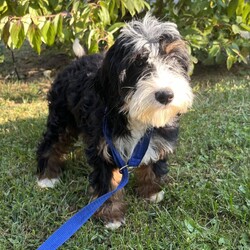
point(110, 72)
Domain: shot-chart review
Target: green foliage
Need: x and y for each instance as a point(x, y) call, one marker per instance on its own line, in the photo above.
point(48, 21)
point(218, 31)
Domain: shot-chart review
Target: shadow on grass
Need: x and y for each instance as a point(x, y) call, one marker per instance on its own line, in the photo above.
point(25, 207)
point(21, 137)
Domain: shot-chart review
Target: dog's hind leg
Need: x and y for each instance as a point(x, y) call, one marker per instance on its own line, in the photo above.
point(52, 149)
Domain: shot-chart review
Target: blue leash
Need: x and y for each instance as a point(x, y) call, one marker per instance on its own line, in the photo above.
point(63, 233)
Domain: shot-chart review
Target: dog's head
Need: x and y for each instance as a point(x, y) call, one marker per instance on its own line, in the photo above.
point(145, 73)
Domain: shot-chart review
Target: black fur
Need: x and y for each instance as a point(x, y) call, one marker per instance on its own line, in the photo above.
point(96, 85)
point(77, 102)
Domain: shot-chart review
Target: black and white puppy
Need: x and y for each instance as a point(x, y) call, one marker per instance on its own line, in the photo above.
point(142, 82)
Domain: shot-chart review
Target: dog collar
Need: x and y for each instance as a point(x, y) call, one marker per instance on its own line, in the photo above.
point(138, 152)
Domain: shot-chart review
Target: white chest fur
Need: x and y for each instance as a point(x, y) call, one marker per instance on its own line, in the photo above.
point(158, 146)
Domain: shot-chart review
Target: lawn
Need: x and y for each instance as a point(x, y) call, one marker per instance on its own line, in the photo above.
point(207, 202)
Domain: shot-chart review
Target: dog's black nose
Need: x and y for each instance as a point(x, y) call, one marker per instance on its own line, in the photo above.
point(164, 97)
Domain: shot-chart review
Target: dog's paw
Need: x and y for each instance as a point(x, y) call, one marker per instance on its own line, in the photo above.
point(47, 183)
point(114, 225)
point(156, 198)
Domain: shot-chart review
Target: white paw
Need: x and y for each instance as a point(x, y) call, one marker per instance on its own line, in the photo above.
point(114, 225)
point(158, 197)
point(47, 183)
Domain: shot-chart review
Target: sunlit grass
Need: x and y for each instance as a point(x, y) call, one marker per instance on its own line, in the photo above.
point(207, 203)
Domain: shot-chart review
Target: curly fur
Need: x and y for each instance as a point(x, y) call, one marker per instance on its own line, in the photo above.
point(132, 81)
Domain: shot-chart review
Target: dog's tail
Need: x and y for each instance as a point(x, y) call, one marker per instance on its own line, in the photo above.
point(78, 49)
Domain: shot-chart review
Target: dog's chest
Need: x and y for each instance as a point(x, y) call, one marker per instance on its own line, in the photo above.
point(157, 149)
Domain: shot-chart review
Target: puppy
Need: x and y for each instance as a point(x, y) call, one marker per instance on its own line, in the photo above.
point(140, 83)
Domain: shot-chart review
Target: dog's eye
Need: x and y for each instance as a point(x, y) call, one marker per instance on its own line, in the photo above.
point(140, 61)
point(182, 62)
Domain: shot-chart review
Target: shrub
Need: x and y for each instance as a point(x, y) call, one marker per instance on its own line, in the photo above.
point(218, 31)
point(47, 21)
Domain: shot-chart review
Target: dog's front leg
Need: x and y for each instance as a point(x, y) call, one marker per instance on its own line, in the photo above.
point(104, 179)
point(150, 180)
point(113, 211)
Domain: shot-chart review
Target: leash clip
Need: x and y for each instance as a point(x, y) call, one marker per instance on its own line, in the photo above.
point(125, 166)
point(130, 168)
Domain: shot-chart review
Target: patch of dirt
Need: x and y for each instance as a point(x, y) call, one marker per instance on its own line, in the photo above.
point(31, 66)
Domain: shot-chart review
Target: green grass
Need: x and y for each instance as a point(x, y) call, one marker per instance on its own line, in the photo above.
point(207, 203)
